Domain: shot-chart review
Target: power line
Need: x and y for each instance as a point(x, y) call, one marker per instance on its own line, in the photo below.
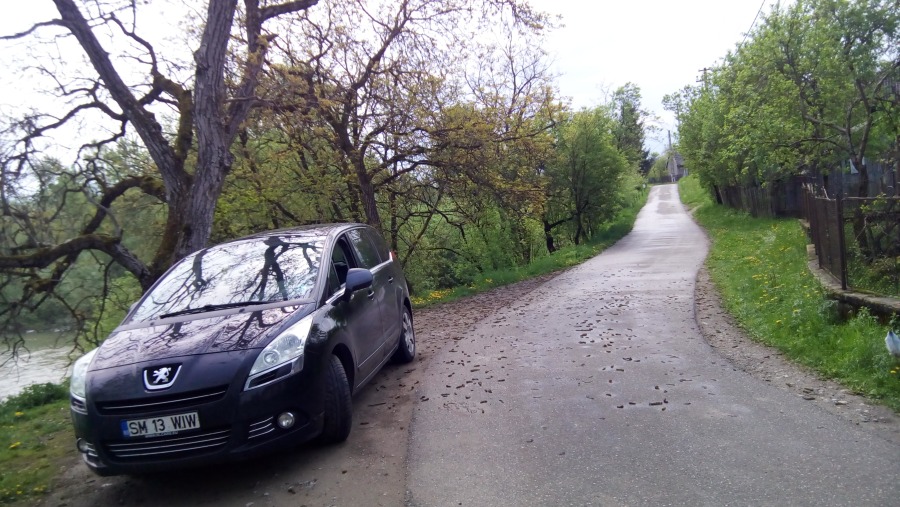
point(747, 33)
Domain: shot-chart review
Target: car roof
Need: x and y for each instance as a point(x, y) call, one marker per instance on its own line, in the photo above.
point(313, 230)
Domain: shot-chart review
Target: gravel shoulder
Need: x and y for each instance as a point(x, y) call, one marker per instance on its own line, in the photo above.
point(765, 363)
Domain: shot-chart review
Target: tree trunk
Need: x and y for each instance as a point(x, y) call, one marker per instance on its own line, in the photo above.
point(578, 229)
point(551, 247)
point(859, 221)
point(214, 157)
point(367, 196)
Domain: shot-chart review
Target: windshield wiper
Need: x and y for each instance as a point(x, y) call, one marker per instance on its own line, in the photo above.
point(212, 308)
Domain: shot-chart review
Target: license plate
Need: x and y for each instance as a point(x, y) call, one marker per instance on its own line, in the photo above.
point(158, 426)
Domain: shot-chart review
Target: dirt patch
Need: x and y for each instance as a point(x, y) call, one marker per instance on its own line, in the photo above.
point(768, 364)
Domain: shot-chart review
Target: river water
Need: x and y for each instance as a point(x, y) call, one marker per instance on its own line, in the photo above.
point(38, 367)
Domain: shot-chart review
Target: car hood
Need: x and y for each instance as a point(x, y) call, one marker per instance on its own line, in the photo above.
point(190, 335)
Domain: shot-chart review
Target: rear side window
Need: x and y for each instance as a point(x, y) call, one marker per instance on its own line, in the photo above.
point(380, 244)
point(364, 248)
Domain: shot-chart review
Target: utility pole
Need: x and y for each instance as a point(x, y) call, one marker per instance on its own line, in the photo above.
point(704, 70)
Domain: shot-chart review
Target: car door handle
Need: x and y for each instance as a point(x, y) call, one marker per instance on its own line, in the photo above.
point(371, 294)
point(391, 280)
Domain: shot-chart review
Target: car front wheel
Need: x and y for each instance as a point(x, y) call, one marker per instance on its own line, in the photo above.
point(338, 404)
point(406, 350)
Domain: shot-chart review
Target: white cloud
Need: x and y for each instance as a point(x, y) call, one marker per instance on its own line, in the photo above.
point(659, 45)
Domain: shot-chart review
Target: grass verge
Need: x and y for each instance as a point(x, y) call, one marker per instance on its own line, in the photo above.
point(37, 434)
point(759, 267)
point(559, 260)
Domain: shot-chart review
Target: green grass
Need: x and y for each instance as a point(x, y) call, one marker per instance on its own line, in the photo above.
point(559, 260)
point(760, 268)
point(879, 277)
point(691, 193)
point(36, 435)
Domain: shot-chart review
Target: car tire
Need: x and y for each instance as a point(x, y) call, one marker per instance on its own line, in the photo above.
point(406, 349)
point(338, 417)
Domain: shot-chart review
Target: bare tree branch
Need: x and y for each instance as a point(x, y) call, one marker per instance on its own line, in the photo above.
point(36, 26)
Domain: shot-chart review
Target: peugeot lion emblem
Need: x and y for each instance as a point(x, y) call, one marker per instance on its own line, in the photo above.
point(160, 377)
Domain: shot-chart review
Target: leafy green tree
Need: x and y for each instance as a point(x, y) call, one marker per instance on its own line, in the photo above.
point(81, 291)
point(808, 90)
point(400, 119)
point(659, 171)
point(630, 131)
point(585, 178)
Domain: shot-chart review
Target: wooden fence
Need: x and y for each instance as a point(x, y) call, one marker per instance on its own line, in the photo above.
point(857, 240)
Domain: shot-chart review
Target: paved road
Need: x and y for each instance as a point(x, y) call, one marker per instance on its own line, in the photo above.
point(597, 389)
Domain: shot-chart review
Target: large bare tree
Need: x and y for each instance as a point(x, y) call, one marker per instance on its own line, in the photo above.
point(190, 147)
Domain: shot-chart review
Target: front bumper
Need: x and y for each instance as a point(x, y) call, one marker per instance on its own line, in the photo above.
point(234, 425)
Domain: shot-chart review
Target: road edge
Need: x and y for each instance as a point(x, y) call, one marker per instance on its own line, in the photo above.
point(722, 332)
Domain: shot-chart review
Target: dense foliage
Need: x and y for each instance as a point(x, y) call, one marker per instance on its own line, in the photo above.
point(446, 135)
point(811, 90)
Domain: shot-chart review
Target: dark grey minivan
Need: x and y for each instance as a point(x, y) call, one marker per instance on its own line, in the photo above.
point(243, 348)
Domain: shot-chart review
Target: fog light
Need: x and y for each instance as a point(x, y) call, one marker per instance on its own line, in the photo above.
point(83, 445)
point(286, 420)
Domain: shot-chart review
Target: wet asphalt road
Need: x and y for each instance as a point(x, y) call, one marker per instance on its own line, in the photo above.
point(597, 389)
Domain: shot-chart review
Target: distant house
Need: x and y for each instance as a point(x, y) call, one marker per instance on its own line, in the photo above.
point(676, 168)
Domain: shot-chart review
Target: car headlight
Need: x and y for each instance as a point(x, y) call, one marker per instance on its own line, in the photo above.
point(284, 353)
point(78, 382)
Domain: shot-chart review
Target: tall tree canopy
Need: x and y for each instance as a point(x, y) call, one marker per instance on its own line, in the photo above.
point(812, 88)
point(631, 127)
point(586, 176)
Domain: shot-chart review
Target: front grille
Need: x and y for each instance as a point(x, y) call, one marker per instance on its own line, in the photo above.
point(165, 447)
point(261, 428)
point(159, 403)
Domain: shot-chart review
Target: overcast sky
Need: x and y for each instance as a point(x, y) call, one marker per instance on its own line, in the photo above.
point(660, 45)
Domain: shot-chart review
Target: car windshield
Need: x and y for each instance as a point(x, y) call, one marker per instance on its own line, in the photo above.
point(259, 270)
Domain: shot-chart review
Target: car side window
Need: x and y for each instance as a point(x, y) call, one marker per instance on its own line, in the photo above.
point(380, 245)
point(341, 261)
point(333, 283)
point(364, 248)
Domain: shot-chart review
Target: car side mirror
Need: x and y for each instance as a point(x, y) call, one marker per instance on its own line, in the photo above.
point(357, 278)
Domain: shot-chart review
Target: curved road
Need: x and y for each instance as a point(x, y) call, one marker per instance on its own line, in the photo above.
point(597, 389)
